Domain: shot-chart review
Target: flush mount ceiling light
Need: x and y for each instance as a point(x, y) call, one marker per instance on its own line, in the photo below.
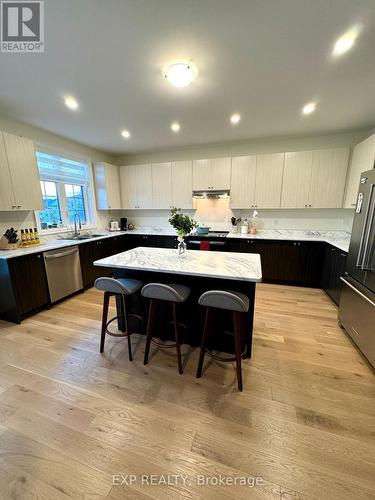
point(235, 119)
point(309, 108)
point(346, 41)
point(71, 102)
point(125, 134)
point(175, 127)
point(180, 74)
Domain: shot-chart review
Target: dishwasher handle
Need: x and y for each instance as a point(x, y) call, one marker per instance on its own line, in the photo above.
point(60, 254)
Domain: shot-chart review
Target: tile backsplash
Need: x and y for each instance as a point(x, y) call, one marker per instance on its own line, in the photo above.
point(213, 213)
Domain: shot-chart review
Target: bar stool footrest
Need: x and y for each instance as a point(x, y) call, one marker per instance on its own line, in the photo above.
point(124, 334)
point(225, 358)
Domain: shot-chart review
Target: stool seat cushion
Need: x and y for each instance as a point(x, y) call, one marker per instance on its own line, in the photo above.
point(168, 292)
point(222, 299)
point(121, 286)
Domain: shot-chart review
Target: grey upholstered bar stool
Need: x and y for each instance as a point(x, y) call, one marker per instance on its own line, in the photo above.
point(174, 294)
point(123, 288)
point(236, 302)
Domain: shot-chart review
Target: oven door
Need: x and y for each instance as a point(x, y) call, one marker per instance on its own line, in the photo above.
point(217, 246)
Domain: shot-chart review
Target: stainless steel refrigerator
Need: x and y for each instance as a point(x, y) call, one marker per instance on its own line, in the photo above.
point(357, 304)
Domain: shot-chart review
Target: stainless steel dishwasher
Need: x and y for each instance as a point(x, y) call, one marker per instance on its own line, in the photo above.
point(63, 269)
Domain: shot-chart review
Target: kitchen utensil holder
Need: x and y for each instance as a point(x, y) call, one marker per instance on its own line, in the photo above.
point(5, 245)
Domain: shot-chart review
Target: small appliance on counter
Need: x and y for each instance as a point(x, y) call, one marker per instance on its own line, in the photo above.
point(123, 224)
point(113, 225)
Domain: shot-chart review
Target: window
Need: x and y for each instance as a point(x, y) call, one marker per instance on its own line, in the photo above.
point(65, 189)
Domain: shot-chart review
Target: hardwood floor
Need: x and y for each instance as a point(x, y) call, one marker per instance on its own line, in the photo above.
point(71, 418)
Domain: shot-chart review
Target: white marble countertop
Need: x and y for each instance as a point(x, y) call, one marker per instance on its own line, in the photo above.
point(234, 266)
point(339, 239)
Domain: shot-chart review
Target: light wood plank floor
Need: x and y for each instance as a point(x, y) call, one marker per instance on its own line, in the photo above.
point(70, 418)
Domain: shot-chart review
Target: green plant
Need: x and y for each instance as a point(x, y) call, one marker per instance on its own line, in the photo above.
point(182, 223)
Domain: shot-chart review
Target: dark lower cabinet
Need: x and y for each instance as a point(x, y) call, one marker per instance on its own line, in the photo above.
point(333, 269)
point(288, 262)
point(23, 287)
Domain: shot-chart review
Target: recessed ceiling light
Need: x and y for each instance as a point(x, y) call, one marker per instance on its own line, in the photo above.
point(180, 74)
point(71, 102)
point(309, 108)
point(125, 134)
point(175, 127)
point(346, 41)
point(235, 118)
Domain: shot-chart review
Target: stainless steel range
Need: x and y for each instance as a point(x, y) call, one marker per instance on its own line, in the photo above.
point(214, 240)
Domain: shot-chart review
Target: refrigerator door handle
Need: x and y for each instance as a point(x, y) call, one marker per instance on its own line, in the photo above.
point(369, 226)
point(360, 257)
point(357, 291)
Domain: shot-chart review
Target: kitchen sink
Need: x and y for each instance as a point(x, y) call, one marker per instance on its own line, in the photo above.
point(81, 237)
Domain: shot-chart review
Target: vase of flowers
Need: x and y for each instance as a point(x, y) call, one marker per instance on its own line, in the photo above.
point(183, 224)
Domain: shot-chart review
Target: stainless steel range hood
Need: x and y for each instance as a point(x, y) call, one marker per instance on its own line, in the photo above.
point(212, 194)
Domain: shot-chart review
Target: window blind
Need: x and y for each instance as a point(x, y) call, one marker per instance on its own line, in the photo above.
point(59, 169)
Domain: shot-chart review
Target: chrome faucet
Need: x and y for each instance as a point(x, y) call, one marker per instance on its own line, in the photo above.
point(77, 231)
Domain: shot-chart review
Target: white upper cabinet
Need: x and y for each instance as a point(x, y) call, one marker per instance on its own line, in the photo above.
point(7, 199)
point(24, 173)
point(136, 186)
point(268, 181)
point(256, 181)
point(296, 181)
point(314, 179)
point(107, 186)
point(162, 185)
point(328, 178)
point(242, 184)
point(363, 159)
point(182, 184)
point(211, 174)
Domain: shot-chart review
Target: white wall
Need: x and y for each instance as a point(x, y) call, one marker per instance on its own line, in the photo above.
point(217, 215)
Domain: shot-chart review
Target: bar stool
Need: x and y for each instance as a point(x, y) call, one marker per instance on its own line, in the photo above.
point(173, 294)
point(123, 288)
point(236, 302)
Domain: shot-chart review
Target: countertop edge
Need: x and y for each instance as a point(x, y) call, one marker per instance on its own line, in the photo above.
point(57, 244)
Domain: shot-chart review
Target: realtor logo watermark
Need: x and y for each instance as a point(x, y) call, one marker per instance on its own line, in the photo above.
point(22, 26)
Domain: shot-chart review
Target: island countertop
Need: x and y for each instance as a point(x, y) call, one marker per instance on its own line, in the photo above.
point(223, 265)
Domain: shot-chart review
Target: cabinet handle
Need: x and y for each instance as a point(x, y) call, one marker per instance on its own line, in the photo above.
point(19, 206)
point(14, 206)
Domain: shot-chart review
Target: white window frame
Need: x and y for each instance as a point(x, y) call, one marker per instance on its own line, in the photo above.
point(88, 193)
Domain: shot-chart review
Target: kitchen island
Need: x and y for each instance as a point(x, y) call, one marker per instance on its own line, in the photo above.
point(201, 271)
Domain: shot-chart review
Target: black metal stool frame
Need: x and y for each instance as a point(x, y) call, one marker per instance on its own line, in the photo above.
point(237, 318)
point(125, 316)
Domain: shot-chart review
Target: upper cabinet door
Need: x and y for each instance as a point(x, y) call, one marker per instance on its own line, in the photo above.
point(107, 186)
point(220, 171)
point(269, 179)
point(242, 184)
point(328, 178)
point(211, 174)
point(363, 159)
point(182, 184)
point(202, 175)
point(24, 172)
point(162, 185)
point(296, 180)
point(143, 180)
point(7, 200)
point(128, 187)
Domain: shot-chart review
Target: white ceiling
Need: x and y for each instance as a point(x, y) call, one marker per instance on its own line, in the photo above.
point(262, 58)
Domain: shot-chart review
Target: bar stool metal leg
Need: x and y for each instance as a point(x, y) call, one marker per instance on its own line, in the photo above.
point(104, 319)
point(206, 334)
point(126, 322)
point(177, 337)
point(237, 346)
point(151, 316)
